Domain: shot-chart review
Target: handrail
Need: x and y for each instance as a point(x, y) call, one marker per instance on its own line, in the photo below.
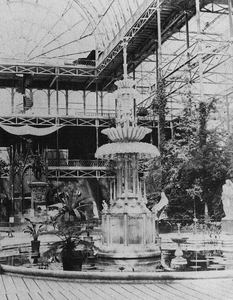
point(77, 163)
point(62, 112)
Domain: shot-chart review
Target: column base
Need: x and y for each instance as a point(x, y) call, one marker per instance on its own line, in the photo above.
point(129, 252)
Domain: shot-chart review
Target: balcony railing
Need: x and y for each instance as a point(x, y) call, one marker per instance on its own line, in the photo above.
point(89, 164)
point(63, 112)
point(77, 163)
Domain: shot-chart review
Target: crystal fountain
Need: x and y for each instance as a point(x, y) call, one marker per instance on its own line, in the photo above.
point(128, 226)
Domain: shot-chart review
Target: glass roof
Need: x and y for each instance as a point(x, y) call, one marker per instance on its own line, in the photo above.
point(59, 32)
point(216, 51)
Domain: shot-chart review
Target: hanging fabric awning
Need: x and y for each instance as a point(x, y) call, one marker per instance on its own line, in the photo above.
point(30, 130)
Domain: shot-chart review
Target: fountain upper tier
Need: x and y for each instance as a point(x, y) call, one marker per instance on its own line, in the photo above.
point(126, 136)
point(126, 133)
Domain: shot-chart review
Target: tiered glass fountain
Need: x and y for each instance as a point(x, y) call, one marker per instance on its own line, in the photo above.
point(128, 226)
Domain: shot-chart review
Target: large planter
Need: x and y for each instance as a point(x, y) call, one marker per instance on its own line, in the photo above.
point(35, 245)
point(72, 261)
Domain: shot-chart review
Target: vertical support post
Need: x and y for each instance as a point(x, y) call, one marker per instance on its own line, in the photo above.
point(57, 150)
point(57, 93)
point(126, 159)
point(32, 211)
point(97, 98)
point(159, 51)
point(134, 100)
point(111, 193)
point(12, 100)
point(154, 227)
point(125, 43)
point(231, 30)
point(144, 229)
point(119, 175)
point(230, 21)
point(158, 61)
point(231, 45)
point(188, 70)
point(199, 42)
point(84, 102)
point(108, 229)
point(134, 169)
point(57, 97)
point(97, 133)
point(228, 115)
point(67, 103)
point(12, 179)
point(125, 229)
point(144, 189)
point(49, 101)
point(158, 134)
point(114, 189)
point(101, 102)
point(117, 111)
point(187, 29)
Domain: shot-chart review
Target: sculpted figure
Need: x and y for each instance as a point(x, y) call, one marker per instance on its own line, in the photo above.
point(159, 207)
point(227, 199)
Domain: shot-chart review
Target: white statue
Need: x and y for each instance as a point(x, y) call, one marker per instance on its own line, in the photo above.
point(105, 205)
point(159, 207)
point(227, 199)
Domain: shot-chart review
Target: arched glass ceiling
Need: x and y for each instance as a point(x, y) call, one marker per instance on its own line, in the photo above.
point(58, 32)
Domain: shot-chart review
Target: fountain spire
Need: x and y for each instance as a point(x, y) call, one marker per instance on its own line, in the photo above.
point(125, 44)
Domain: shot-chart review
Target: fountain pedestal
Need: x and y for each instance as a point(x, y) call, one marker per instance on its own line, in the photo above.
point(38, 195)
point(129, 235)
point(179, 262)
point(128, 226)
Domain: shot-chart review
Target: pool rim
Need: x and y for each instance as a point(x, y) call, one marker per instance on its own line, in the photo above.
point(115, 276)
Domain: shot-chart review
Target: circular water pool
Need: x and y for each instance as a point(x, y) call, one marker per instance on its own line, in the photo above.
point(196, 261)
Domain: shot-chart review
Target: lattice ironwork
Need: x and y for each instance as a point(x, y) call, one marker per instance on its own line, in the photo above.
point(46, 70)
point(61, 121)
point(130, 34)
point(76, 173)
point(79, 163)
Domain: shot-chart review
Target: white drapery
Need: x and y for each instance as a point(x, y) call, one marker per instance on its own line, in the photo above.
point(30, 130)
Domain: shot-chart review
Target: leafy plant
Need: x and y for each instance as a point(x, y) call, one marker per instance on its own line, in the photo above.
point(34, 229)
point(70, 235)
point(193, 158)
point(70, 228)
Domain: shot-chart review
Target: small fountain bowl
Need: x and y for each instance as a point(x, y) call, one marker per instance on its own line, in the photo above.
point(179, 240)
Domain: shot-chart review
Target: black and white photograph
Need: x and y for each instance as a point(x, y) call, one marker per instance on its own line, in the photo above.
point(116, 149)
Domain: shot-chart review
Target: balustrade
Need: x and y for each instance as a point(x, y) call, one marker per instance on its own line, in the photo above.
point(77, 163)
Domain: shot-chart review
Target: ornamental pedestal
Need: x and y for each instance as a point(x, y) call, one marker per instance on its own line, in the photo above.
point(129, 235)
point(38, 195)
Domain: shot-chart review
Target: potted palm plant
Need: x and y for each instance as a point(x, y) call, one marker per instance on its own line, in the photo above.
point(70, 245)
point(34, 229)
point(74, 242)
